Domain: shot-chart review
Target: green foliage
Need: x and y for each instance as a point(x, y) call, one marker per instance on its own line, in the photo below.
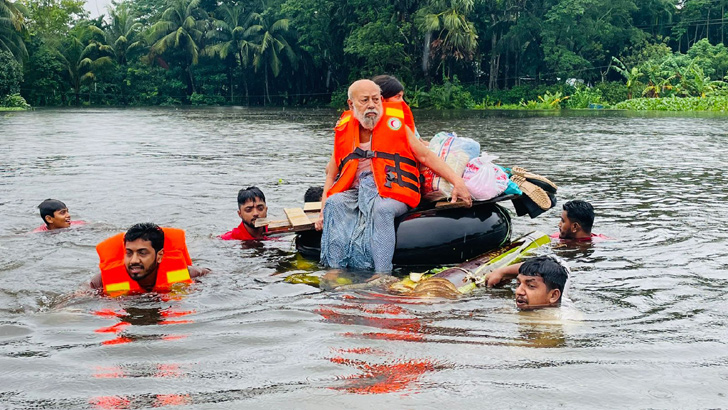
point(201, 99)
point(583, 96)
point(712, 59)
point(450, 53)
point(518, 94)
point(711, 103)
point(44, 83)
point(451, 94)
point(547, 101)
point(11, 74)
point(53, 18)
point(14, 101)
point(339, 98)
point(612, 92)
point(12, 29)
point(380, 45)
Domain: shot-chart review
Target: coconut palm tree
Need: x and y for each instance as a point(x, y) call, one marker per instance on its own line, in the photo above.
point(272, 46)
point(235, 34)
point(181, 28)
point(122, 34)
point(12, 25)
point(82, 57)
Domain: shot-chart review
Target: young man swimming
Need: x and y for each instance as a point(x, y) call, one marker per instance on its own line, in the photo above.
point(251, 206)
point(577, 219)
point(55, 215)
point(540, 282)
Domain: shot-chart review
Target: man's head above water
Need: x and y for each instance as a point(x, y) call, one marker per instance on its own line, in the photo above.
point(251, 206)
point(576, 221)
point(540, 283)
point(144, 249)
point(55, 214)
point(365, 100)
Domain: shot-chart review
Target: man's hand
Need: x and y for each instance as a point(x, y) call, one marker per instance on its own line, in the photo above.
point(319, 224)
point(460, 192)
point(494, 278)
point(196, 271)
point(502, 275)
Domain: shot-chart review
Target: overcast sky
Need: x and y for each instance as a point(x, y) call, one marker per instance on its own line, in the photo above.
point(97, 7)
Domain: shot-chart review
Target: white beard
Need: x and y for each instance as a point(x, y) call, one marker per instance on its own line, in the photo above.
point(367, 122)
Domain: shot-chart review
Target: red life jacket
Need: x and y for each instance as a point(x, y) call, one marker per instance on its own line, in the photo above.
point(172, 269)
point(396, 172)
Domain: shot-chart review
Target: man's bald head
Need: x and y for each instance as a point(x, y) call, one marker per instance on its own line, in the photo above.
point(365, 100)
point(363, 85)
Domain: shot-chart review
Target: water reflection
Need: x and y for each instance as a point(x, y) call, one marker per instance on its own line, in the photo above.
point(380, 371)
point(138, 316)
point(652, 300)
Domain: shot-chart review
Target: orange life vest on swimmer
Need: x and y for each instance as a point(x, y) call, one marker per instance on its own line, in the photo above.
point(395, 169)
point(172, 269)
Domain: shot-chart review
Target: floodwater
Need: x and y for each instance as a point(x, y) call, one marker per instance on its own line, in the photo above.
point(651, 329)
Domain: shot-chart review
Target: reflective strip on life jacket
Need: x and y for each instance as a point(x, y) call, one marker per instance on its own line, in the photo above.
point(180, 275)
point(172, 269)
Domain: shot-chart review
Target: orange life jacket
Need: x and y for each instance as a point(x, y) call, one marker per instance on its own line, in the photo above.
point(396, 172)
point(409, 119)
point(172, 269)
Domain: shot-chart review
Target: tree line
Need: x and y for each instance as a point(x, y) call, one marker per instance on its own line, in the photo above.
point(298, 52)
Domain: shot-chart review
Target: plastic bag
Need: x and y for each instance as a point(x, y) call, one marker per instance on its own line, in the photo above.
point(455, 152)
point(484, 179)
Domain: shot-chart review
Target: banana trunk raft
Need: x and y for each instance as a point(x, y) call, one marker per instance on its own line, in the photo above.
point(449, 282)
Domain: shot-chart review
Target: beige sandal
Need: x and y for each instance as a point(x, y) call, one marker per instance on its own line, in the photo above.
point(537, 195)
point(526, 174)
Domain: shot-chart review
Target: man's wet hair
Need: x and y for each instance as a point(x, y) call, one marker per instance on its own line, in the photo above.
point(146, 231)
point(249, 194)
point(313, 194)
point(389, 85)
point(581, 212)
point(49, 207)
point(553, 273)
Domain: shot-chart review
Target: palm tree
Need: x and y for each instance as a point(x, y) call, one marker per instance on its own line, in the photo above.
point(82, 57)
point(122, 33)
point(271, 46)
point(12, 25)
point(456, 36)
point(181, 27)
point(235, 34)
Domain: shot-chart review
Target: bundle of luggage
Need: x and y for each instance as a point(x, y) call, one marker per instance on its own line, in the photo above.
point(484, 179)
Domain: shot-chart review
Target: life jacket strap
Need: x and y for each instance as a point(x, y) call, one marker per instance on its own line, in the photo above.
point(359, 153)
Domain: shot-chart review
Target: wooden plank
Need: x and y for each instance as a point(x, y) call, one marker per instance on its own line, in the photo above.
point(448, 204)
point(297, 217)
point(285, 226)
point(312, 206)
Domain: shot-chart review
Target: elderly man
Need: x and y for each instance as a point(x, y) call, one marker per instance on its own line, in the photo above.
point(372, 177)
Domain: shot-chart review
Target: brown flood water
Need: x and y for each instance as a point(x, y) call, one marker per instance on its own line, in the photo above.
point(650, 329)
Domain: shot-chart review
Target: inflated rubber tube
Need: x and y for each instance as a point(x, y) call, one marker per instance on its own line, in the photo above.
point(437, 237)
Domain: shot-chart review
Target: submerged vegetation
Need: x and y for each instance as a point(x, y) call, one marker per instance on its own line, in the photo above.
point(476, 54)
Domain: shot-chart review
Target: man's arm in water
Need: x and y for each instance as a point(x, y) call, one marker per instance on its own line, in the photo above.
point(195, 271)
point(502, 275)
